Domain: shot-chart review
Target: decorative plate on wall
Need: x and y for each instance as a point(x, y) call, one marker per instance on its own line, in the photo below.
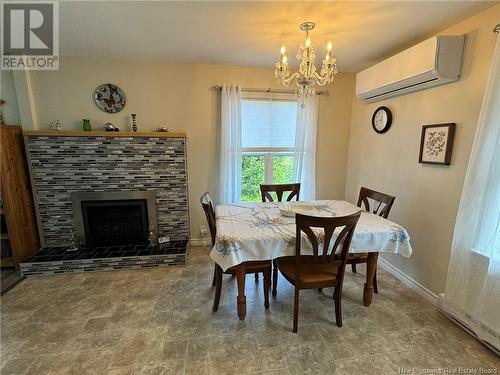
point(110, 98)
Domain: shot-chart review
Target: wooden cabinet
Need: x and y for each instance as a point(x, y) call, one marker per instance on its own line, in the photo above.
point(20, 225)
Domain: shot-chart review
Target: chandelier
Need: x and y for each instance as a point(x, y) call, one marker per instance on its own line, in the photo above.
point(307, 76)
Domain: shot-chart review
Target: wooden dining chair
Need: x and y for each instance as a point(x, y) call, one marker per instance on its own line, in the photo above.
point(319, 270)
point(382, 204)
point(279, 189)
point(250, 267)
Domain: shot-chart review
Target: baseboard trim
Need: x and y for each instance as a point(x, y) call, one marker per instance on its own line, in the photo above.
point(454, 317)
point(200, 242)
point(409, 282)
point(401, 276)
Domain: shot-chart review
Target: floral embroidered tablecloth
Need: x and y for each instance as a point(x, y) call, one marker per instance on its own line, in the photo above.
point(257, 231)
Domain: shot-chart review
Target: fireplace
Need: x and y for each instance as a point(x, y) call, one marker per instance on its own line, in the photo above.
point(115, 218)
point(140, 182)
point(120, 222)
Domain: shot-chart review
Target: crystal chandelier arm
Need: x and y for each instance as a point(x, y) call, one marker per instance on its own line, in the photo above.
point(321, 80)
point(290, 79)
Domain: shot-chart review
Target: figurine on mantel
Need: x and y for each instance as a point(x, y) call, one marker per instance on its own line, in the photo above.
point(162, 127)
point(109, 127)
point(134, 123)
point(56, 125)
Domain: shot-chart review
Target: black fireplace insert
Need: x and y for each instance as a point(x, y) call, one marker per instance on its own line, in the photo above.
point(115, 222)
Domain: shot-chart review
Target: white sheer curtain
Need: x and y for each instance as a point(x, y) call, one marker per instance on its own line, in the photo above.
point(230, 147)
point(472, 293)
point(304, 166)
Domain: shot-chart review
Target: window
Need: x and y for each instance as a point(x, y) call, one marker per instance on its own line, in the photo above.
point(268, 144)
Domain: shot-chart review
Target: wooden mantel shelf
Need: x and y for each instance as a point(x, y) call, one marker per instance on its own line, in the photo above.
point(62, 133)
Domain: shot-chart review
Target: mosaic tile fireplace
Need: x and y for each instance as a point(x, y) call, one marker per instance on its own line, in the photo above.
point(113, 195)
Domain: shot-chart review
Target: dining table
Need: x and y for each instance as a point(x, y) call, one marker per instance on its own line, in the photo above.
point(261, 231)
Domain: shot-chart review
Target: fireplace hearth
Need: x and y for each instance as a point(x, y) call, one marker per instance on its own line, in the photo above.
point(56, 260)
point(114, 230)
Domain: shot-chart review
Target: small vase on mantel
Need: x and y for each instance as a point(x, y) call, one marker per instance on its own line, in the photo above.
point(134, 122)
point(86, 125)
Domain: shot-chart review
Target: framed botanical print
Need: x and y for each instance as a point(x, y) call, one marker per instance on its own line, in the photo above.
point(436, 144)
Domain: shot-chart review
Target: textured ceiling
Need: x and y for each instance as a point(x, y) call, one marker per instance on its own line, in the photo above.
point(251, 33)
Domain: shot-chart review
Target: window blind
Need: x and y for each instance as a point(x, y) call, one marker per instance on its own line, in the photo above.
point(268, 123)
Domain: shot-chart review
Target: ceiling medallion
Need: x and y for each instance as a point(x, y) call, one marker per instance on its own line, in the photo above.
point(307, 76)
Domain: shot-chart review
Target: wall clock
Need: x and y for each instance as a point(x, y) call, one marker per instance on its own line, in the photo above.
point(110, 98)
point(381, 119)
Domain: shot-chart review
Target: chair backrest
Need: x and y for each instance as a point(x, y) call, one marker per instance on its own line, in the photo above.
point(382, 202)
point(279, 189)
point(306, 224)
point(208, 207)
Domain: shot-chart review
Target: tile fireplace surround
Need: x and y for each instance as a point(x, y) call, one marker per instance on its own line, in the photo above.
point(62, 163)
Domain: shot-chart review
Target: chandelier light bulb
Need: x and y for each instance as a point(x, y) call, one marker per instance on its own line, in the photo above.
point(329, 46)
point(308, 42)
point(283, 50)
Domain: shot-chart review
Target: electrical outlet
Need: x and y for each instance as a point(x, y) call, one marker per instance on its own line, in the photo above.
point(203, 230)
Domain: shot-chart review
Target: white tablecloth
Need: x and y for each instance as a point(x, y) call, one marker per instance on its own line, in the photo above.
point(257, 231)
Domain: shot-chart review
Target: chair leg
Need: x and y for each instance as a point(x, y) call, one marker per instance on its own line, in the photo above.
point(270, 268)
point(375, 288)
point(320, 290)
point(218, 286)
point(256, 276)
point(275, 278)
point(337, 296)
point(215, 272)
point(267, 281)
point(353, 266)
point(296, 310)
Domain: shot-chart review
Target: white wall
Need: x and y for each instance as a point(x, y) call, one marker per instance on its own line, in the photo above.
point(179, 95)
point(427, 196)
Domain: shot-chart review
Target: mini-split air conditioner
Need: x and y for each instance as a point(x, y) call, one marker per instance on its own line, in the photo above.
point(433, 62)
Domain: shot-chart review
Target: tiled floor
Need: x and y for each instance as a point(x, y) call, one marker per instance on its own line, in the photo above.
point(159, 321)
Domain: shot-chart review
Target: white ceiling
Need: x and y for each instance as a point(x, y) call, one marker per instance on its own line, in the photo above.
point(251, 33)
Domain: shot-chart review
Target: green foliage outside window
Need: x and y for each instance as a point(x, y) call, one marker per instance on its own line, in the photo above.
point(282, 169)
point(252, 174)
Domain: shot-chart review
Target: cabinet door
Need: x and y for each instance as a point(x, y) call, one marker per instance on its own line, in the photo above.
point(16, 195)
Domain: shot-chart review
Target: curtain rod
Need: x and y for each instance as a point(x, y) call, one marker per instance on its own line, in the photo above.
point(282, 91)
point(497, 28)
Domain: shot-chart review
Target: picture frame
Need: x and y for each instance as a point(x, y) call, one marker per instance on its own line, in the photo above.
point(436, 144)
